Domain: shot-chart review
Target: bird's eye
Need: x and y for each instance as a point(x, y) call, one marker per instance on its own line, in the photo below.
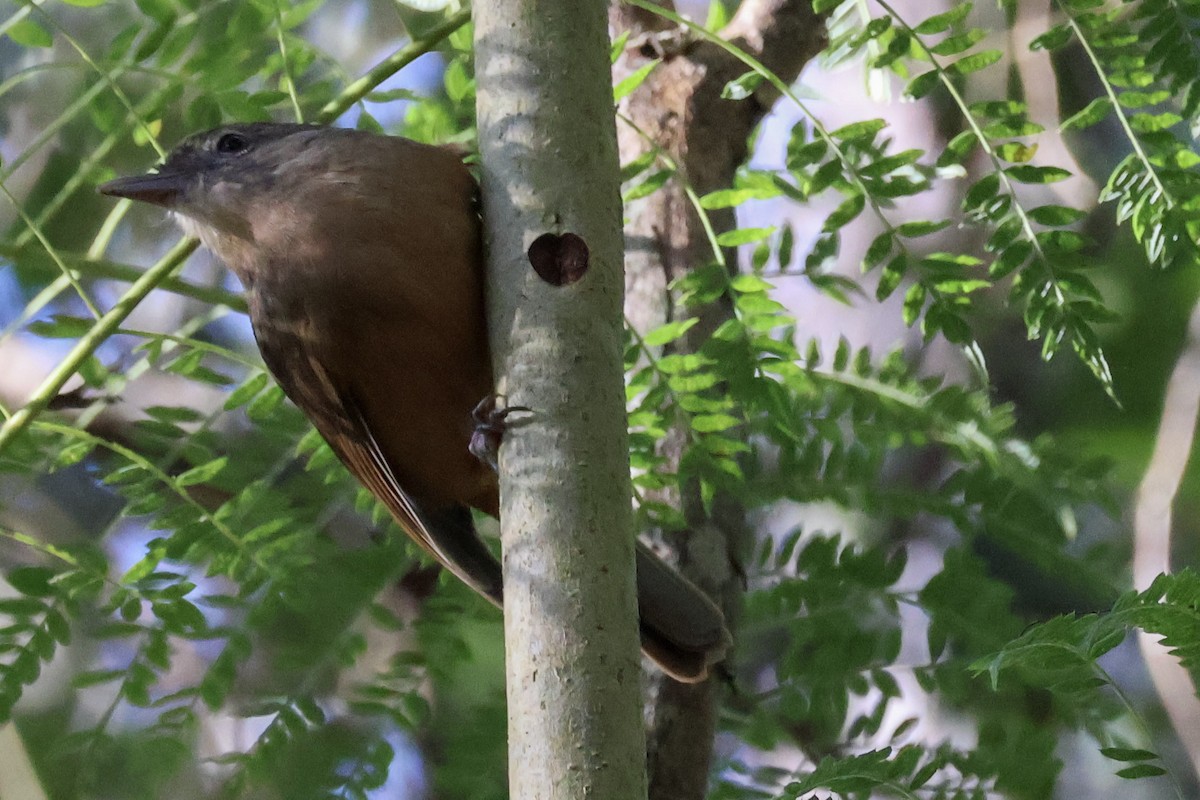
point(232, 143)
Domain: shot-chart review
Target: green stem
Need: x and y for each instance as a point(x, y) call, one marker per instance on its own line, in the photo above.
point(91, 341)
point(389, 67)
point(1118, 110)
point(115, 270)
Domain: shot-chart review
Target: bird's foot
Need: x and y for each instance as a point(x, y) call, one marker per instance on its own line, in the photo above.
point(491, 420)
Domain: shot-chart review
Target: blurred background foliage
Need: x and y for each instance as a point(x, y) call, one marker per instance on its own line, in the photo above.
point(199, 602)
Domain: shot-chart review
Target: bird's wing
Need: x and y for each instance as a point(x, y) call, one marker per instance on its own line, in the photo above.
point(447, 534)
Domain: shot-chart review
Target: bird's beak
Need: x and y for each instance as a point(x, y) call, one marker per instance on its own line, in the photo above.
point(160, 188)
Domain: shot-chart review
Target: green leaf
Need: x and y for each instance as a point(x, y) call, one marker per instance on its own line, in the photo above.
point(944, 21)
point(391, 95)
point(750, 283)
point(367, 122)
point(1010, 259)
point(992, 109)
point(61, 326)
point(742, 87)
point(921, 227)
point(189, 365)
point(1127, 754)
point(945, 318)
point(742, 236)
point(727, 198)
point(1005, 234)
point(618, 46)
point(959, 285)
point(158, 10)
point(150, 44)
point(458, 82)
point(693, 383)
point(247, 391)
point(1053, 39)
point(32, 581)
point(202, 473)
point(876, 28)
point(1132, 99)
point(879, 250)
point(850, 208)
point(652, 184)
point(923, 84)
point(1009, 127)
point(1141, 771)
point(1186, 159)
point(806, 154)
point(93, 372)
point(665, 334)
point(1152, 123)
point(1016, 152)
point(203, 112)
point(1057, 242)
point(957, 149)
point(21, 606)
point(28, 33)
point(1056, 215)
point(180, 616)
point(983, 192)
point(826, 175)
point(786, 245)
point(174, 414)
point(859, 131)
point(236, 104)
point(631, 82)
point(1027, 173)
point(760, 256)
point(718, 15)
point(898, 48)
point(975, 62)
point(824, 252)
point(73, 454)
point(953, 45)
point(839, 287)
point(914, 301)
point(891, 276)
point(891, 163)
point(121, 42)
point(713, 423)
point(96, 677)
point(637, 166)
point(841, 355)
point(58, 627)
point(949, 262)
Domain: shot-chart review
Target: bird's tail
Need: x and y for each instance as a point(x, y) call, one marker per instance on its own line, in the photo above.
point(682, 630)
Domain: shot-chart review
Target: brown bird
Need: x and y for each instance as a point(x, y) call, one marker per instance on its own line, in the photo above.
point(363, 269)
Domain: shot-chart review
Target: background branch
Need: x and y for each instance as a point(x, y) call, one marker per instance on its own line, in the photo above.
point(678, 111)
point(1152, 533)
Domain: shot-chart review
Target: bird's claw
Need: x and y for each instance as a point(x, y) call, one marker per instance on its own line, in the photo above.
point(491, 421)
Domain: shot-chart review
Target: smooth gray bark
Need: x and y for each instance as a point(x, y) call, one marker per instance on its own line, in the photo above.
point(549, 166)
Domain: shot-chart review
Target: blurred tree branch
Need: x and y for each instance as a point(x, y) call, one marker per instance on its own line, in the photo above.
point(1152, 533)
point(678, 111)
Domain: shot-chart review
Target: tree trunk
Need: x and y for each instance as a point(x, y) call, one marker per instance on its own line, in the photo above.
point(550, 175)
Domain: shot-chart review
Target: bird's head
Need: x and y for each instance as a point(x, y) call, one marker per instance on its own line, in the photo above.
point(217, 178)
point(236, 186)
